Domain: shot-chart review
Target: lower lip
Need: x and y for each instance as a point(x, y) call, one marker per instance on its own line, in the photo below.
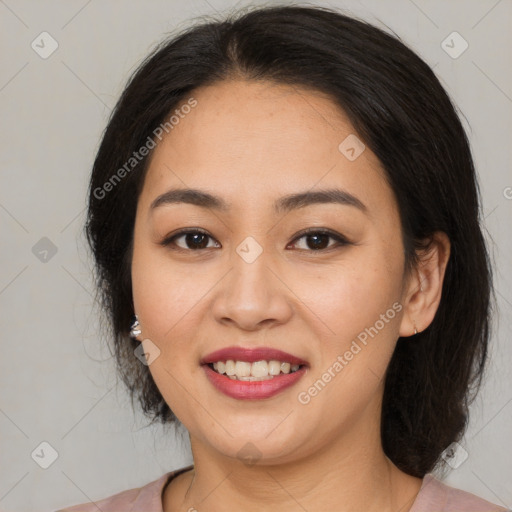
point(246, 390)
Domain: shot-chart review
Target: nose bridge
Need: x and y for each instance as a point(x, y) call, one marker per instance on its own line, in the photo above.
point(251, 274)
point(251, 293)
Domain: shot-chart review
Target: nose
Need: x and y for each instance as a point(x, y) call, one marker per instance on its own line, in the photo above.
point(252, 295)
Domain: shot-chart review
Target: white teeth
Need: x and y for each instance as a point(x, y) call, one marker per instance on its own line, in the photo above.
point(274, 367)
point(253, 379)
point(230, 367)
point(285, 367)
point(259, 370)
point(242, 369)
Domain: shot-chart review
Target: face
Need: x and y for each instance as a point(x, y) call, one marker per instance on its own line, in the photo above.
point(250, 278)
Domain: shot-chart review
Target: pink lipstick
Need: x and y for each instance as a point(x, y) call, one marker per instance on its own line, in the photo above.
point(252, 390)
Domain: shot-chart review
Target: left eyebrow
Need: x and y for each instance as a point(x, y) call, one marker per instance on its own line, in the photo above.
point(303, 199)
point(286, 203)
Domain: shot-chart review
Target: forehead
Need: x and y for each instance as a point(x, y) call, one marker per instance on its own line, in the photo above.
point(250, 141)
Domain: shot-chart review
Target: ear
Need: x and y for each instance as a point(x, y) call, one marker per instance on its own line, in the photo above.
point(422, 293)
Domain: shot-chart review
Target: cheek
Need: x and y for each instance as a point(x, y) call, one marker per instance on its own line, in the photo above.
point(360, 314)
point(164, 293)
point(164, 299)
point(349, 297)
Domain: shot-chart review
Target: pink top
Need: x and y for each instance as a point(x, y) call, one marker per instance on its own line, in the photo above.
point(434, 496)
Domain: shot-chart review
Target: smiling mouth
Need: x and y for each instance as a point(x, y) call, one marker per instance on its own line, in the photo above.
point(253, 372)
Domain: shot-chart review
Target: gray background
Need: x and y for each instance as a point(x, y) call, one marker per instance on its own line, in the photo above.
point(57, 380)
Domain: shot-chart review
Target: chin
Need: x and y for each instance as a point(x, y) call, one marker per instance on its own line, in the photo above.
point(255, 446)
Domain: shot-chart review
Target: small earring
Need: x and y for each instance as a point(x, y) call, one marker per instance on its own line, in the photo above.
point(415, 330)
point(134, 332)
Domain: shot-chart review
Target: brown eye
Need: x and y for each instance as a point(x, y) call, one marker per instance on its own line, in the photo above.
point(193, 240)
point(318, 240)
point(196, 240)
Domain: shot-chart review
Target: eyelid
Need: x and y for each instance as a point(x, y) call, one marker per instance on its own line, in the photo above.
point(323, 231)
point(168, 240)
point(340, 239)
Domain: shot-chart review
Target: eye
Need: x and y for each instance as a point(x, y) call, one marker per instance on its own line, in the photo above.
point(318, 238)
point(197, 239)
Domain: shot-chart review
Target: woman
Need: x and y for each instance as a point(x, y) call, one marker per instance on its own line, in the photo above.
point(284, 216)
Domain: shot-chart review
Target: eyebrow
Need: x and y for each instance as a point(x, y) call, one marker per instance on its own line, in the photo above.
point(282, 205)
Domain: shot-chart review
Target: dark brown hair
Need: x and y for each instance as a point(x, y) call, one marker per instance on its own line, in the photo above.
point(402, 113)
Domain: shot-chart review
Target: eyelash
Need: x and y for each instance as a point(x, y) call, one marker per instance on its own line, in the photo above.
point(341, 241)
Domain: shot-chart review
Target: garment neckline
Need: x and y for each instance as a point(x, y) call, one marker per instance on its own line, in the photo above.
point(170, 477)
point(425, 481)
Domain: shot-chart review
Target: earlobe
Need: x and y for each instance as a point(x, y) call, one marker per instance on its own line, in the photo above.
point(425, 289)
point(134, 328)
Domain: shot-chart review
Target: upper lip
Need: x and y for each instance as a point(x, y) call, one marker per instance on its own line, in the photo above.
point(251, 355)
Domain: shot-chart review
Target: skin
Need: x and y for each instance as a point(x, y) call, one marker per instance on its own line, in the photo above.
point(251, 143)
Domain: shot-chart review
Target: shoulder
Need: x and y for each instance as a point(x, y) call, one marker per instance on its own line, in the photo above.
point(435, 495)
point(147, 498)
